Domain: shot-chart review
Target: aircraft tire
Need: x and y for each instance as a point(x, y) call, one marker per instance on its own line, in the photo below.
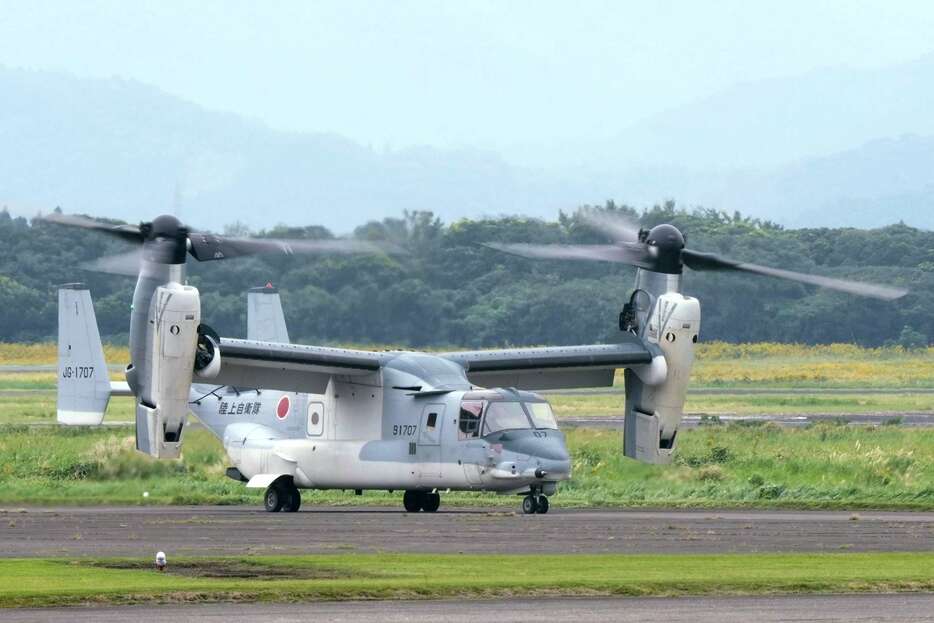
point(431, 502)
point(541, 505)
point(529, 505)
point(293, 501)
point(412, 501)
point(273, 499)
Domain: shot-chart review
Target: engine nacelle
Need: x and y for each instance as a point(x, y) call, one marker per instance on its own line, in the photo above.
point(654, 411)
point(172, 338)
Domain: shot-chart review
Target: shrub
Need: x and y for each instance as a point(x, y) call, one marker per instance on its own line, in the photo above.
point(710, 473)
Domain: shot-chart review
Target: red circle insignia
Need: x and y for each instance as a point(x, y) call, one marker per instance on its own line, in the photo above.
point(282, 409)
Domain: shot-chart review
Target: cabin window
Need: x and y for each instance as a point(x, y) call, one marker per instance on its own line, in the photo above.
point(468, 425)
point(432, 421)
point(315, 423)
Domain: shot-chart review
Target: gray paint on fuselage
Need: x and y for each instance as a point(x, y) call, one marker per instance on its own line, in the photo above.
point(381, 420)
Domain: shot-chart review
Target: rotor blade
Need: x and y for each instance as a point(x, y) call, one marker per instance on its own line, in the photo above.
point(614, 224)
point(124, 232)
point(205, 247)
point(711, 261)
point(118, 264)
point(624, 253)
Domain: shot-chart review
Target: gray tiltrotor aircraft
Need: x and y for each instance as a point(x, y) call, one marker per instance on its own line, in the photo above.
point(296, 417)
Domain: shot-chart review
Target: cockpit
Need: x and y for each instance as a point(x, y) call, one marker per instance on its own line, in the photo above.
point(483, 413)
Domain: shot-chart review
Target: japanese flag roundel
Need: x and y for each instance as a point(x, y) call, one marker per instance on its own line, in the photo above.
point(282, 409)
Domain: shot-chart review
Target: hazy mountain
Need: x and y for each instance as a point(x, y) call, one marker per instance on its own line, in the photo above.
point(878, 183)
point(772, 122)
point(123, 149)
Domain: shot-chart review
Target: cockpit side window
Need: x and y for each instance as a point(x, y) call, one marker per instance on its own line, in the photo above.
point(542, 416)
point(468, 425)
point(504, 416)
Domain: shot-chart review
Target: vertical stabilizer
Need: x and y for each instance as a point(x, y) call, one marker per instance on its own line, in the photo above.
point(83, 379)
point(265, 321)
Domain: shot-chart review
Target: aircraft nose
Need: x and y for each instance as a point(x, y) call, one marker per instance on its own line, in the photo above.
point(551, 449)
point(552, 459)
point(546, 450)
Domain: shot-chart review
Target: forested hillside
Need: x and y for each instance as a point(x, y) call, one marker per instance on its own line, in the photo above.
point(447, 290)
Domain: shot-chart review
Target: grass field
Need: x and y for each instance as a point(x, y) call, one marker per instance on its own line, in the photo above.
point(797, 365)
point(569, 405)
point(718, 365)
point(39, 407)
point(823, 466)
point(38, 582)
point(740, 466)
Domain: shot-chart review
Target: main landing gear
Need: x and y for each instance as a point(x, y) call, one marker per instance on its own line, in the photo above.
point(282, 495)
point(535, 503)
point(415, 501)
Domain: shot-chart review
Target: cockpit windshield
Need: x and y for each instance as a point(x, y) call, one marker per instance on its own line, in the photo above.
point(504, 416)
point(486, 412)
point(542, 415)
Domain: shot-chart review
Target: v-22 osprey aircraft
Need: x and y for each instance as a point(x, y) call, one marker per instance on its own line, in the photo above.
point(294, 417)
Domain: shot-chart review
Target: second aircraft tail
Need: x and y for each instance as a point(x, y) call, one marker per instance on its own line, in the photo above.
point(265, 321)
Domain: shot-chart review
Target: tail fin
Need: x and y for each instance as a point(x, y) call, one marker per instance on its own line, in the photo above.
point(265, 321)
point(84, 386)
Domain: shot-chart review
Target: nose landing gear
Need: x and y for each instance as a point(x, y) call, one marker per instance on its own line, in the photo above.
point(535, 503)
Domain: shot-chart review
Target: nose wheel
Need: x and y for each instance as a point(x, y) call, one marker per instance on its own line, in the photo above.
point(535, 504)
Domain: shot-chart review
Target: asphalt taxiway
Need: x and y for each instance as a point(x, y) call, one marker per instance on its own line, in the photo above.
point(210, 530)
point(889, 607)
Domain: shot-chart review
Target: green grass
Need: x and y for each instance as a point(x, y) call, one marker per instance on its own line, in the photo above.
point(796, 365)
point(827, 465)
point(717, 365)
point(39, 407)
point(824, 466)
point(570, 405)
point(44, 582)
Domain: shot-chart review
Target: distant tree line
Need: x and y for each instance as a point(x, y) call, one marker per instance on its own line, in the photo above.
point(449, 291)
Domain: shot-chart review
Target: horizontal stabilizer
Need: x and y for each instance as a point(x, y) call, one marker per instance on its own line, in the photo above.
point(120, 388)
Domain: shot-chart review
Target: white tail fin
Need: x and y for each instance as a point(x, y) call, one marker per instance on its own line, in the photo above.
point(84, 386)
point(265, 321)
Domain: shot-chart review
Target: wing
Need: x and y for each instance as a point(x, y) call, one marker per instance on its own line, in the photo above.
point(558, 367)
point(290, 367)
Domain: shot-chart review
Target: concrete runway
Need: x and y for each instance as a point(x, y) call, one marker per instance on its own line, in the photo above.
point(206, 530)
point(898, 607)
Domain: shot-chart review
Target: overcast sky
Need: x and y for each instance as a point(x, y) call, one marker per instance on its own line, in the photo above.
point(489, 74)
